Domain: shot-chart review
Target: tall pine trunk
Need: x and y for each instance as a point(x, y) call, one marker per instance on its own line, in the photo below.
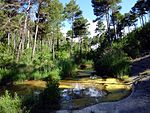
point(18, 50)
point(8, 38)
point(108, 28)
point(35, 39)
point(14, 41)
point(28, 41)
point(53, 47)
point(36, 31)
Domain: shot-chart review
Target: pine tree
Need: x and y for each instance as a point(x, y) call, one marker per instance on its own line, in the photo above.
point(72, 11)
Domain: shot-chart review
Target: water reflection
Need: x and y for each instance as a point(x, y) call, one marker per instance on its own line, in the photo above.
point(80, 96)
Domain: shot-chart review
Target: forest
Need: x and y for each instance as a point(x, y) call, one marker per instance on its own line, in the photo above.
point(33, 48)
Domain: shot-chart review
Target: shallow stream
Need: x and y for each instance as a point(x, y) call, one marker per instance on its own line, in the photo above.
point(80, 93)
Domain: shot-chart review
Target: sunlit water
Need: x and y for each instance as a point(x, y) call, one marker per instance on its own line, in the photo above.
point(76, 94)
point(80, 96)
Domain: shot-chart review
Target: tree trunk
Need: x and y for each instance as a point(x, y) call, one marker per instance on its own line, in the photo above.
point(108, 27)
point(28, 43)
point(35, 39)
point(40, 44)
point(53, 47)
point(57, 43)
point(80, 46)
point(19, 50)
point(71, 37)
point(145, 18)
point(8, 38)
point(50, 44)
point(14, 45)
point(36, 31)
point(114, 31)
point(142, 20)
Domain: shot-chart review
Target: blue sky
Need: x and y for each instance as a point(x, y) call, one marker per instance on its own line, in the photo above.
point(86, 7)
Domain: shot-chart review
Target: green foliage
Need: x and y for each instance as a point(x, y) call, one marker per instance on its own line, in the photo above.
point(5, 54)
point(9, 104)
point(36, 75)
point(4, 74)
point(63, 54)
point(26, 57)
point(113, 63)
point(54, 75)
point(80, 26)
point(67, 68)
point(72, 10)
point(135, 42)
point(132, 45)
point(14, 72)
point(143, 35)
point(88, 62)
point(29, 101)
point(49, 99)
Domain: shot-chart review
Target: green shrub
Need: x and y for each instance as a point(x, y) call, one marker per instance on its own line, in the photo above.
point(30, 101)
point(143, 35)
point(89, 62)
point(132, 45)
point(3, 72)
point(49, 99)
point(67, 68)
point(36, 76)
point(26, 57)
point(5, 77)
point(63, 54)
point(9, 104)
point(6, 56)
point(20, 77)
point(54, 75)
point(113, 63)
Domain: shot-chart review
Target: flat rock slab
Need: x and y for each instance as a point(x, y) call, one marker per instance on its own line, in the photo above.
point(137, 102)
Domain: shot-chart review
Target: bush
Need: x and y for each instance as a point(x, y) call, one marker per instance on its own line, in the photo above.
point(143, 35)
point(83, 66)
point(9, 104)
point(132, 45)
point(63, 54)
point(113, 63)
point(54, 75)
point(30, 101)
point(26, 57)
point(6, 56)
point(67, 68)
point(87, 64)
point(35, 75)
point(5, 77)
point(49, 99)
point(3, 72)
